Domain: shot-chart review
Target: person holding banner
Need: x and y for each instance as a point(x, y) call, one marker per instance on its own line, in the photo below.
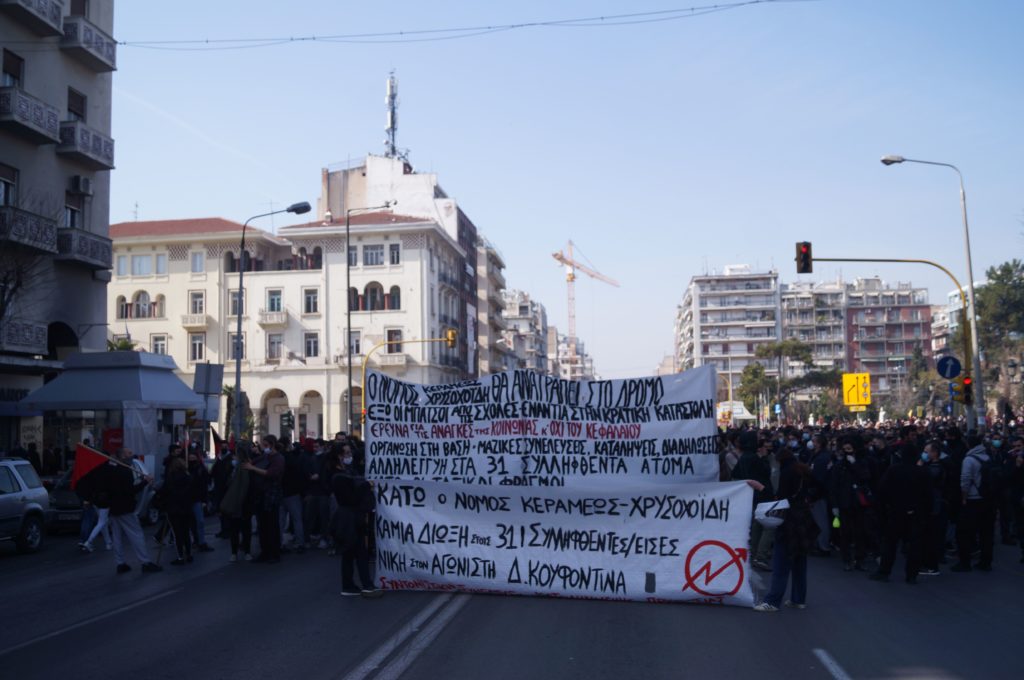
point(795, 537)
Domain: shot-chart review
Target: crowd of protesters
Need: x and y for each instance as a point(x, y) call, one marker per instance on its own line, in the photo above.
point(929, 490)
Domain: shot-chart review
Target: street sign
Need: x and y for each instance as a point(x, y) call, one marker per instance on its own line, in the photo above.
point(856, 389)
point(948, 367)
point(858, 409)
point(778, 409)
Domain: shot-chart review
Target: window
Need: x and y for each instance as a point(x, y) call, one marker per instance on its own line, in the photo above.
point(161, 263)
point(273, 300)
point(317, 258)
point(80, 8)
point(13, 70)
point(395, 251)
point(233, 303)
point(123, 310)
point(196, 346)
point(374, 295)
point(312, 344)
point(395, 336)
point(353, 299)
point(354, 345)
point(310, 301)
point(373, 255)
point(122, 265)
point(158, 344)
point(76, 105)
point(73, 206)
point(198, 262)
point(353, 256)
point(274, 342)
point(142, 265)
point(28, 475)
point(8, 185)
point(7, 482)
point(395, 298)
point(197, 302)
point(236, 346)
point(141, 307)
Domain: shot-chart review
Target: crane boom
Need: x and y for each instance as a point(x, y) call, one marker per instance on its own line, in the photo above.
point(571, 265)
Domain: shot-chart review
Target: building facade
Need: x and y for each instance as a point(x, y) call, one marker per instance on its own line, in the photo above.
point(175, 291)
point(55, 254)
point(722, 320)
point(814, 313)
point(527, 333)
point(494, 352)
point(885, 325)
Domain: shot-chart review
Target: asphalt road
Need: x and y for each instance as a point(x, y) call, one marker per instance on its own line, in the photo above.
point(67, 615)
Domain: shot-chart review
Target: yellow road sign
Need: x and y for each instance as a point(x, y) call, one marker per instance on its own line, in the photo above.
point(858, 409)
point(856, 389)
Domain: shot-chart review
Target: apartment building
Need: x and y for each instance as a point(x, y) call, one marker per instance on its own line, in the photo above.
point(495, 353)
point(55, 254)
point(885, 325)
point(175, 291)
point(941, 334)
point(569, 359)
point(723, 318)
point(527, 333)
point(814, 313)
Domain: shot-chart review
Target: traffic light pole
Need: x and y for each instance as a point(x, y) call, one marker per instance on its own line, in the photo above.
point(968, 332)
point(450, 339)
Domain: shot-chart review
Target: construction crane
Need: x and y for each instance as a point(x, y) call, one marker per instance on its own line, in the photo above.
point(571, 266)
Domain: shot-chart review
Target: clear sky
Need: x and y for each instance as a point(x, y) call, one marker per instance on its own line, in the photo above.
point(663, 150)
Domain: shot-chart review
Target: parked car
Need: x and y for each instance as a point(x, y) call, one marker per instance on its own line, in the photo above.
point(24, 504)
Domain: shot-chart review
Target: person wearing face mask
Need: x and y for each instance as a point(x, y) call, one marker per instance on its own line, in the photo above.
point(236, 507)
point(821, 467)
point(1003, 470)
point(933, 462)
point(849, 497)
point(904, 504)
point(753, 464)
point(269, 469)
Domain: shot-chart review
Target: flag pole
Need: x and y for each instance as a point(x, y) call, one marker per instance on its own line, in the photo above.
point(110, 458)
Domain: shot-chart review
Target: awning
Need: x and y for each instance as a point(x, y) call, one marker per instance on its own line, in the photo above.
point(108, 380)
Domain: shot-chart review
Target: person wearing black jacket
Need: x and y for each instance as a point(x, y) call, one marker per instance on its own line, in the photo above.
point(199, 480)
point(904, 502)
point(849, 497)
point(177, 496)
point(293, 486)
point(119, 482)
point(351, 529)
point(753, 464)
point(795, 537)
point(934, 463)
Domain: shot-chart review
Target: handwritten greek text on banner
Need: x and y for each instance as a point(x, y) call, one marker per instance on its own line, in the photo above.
point(526, 429)
point(642, 541)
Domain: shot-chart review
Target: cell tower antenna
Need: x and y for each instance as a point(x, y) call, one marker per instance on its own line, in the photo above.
point(391, 99)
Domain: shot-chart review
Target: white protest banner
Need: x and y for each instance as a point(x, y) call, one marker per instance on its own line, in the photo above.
point(640, 541)
point(523, 428)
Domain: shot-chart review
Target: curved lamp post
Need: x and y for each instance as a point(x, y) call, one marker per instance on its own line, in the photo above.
point(298, 209)
point(979, 404)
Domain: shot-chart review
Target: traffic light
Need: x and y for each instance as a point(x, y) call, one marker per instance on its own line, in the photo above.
point(962, 389)
point(451, 337)
point(804, 260)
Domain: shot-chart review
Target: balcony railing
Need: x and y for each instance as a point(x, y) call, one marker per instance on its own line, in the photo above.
point(41, 16)
point(91, 148)
point(78, 245)
point(89, 44)
point(23, 336)
point(28, 229)
point(195, 320)
point(273, 318)
point(32, 118)
point(396, 359)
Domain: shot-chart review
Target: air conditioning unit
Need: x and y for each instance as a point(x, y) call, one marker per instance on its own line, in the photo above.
point(81, 185)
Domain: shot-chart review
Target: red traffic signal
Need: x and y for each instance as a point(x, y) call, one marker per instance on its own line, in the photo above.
point(804, 258)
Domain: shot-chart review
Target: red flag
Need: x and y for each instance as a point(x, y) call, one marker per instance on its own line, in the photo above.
point(86, 460)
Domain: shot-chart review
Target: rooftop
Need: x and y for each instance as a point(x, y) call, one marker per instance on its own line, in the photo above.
point(197, 225)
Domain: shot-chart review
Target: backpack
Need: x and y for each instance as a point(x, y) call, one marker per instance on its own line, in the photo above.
point(987, 487)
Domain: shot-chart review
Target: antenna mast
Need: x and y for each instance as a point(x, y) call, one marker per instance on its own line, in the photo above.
point(391, 99)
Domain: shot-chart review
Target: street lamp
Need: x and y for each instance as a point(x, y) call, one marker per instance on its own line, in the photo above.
point(298, 209)
point(976, 359)
point(348, 300)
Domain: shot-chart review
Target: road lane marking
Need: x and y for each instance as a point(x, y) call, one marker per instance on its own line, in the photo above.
point(372, 662)
point(86, 622)
point(396, 668)
point(831, 665)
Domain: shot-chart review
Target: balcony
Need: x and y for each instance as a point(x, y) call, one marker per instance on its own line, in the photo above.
point(496, 276)
point(396, 359)
point(195, 321)
point(87, 43)
point(273, 319)
point(80, 142)
point(497, 321)
point(28, 229)
point(28, 117)
point(83, 247)
point(43, 17)
point(28, 337)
